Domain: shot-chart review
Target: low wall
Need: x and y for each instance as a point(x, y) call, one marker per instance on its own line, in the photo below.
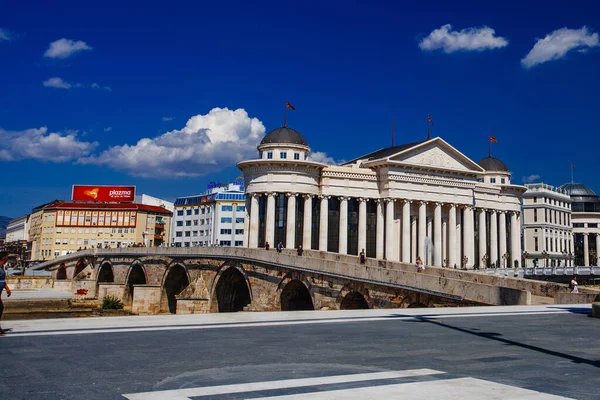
point(575, 298)
point(192, 306)
point(111, 289)
point(146, 299)
point(29, 282)
point(82, 285)
point(63, 286)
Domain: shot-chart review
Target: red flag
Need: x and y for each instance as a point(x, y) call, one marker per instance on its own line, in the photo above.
point(291, 107)
point(493, 139)
point(429, 119)
point(573, 166)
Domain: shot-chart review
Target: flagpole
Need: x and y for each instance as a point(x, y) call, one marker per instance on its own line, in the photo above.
point(392, 130)
point(572, 169)
point(285, 114)
point(428, 127)
point(489, 148)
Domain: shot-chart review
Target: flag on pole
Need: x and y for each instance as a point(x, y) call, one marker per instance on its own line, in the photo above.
point(429, 119)
point(291, 107)
point(573, 166)
point(493, 139)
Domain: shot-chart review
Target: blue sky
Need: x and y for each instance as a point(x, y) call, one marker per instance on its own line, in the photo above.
point(98, 78)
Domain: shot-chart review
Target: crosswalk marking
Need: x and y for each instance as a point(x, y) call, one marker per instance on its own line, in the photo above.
point(184, 394)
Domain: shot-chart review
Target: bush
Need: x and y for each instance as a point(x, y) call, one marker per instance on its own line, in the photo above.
point(112, 303)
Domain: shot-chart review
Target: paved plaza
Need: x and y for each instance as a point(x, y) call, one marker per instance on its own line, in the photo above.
point(527, 352)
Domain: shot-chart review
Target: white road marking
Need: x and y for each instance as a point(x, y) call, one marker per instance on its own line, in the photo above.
point(184, 394)
point(460, 388)
point(54, 331)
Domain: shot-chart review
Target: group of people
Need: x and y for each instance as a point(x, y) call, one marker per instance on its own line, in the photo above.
point(362, 257)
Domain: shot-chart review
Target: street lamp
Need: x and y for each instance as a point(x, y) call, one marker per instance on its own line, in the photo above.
point(525, 256)
point(505, 257)
point(484, 259)
point(465, 259)
point(545, 255)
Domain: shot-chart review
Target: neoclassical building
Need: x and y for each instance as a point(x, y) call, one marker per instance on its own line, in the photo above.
point(424, 199)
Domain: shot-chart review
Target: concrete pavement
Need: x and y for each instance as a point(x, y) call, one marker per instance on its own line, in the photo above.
point(534, 352)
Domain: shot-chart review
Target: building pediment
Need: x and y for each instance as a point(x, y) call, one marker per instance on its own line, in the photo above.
point(433, 154)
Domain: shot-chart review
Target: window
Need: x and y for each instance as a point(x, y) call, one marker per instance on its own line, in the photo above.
point(88, 218)
point(188, 223)
point(179, 213)
point(196, 211)
point(126, 230)
point(535, 199)
point(57, 241)
point(195, 222)
point(120, 230)
point(225, 243)
point(225, 220)
point(194, 233)
point(58, 230)
point(536, 244)
point(239, 220)
point(188, 212)
point(239, 243)
point(296, 156)
point(179, 223)
point(239, 231)
point(225, 231)
point(240, 208)
point(283, 155)
point(132, 230)
point(179, 234)
point(226, 208)
point(65, 241)
point(535, 215)
point(270, 155)
point(503, 181)
point(114, 230)
point(492, 180)
point(186, 244)
point(72, 241)
point(188, 234)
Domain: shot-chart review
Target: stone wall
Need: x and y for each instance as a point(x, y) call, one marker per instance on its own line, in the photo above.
point(29, 282)
point(146, 299)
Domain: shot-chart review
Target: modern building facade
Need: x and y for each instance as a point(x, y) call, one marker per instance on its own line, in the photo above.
point(215, 218)
point(18, 229)
point(585, 209)
point(423, 199)
point(547, 229)
point(63, 227)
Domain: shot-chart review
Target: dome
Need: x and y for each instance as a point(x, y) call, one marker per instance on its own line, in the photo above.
point(576, 189)
point(284, 135)
point(492, 164)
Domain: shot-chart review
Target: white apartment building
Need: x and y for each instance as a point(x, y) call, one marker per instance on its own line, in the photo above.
point(18, 229)
point(213, 218)
point(547, 229)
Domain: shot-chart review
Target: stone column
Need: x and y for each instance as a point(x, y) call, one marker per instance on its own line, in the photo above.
point(597, 248)
point(502, 237)
point(246, 221)
point(572, 245)
point(362, 224)
point(253, 237)
point(444, 241)
point(422, 230)
point(413, 240)
point(343, 234)
point(452, 246)
point(482, 239)
point(389, 229)
point(459, 240)
point(494, 238)
point(307, 223)
point(515, 239)
point(380, 231)
point(290, 229)
point(586, 250)
point(270, 222)
point(437, 235)
point(405, 231)
point(323, 223)
point(469, 237)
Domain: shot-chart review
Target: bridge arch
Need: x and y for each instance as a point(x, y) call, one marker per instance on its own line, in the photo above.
point(79, 267)
point(354, 301)
point(295, 293)
point(105, 273)
point(135, 276)
point(61, 272)
point(176, 279)
point(231, 290)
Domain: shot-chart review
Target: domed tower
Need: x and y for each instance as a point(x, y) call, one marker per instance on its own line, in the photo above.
point(283, 144)
point(496, 172)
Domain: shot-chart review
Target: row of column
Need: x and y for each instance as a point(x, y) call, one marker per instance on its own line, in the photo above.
point(442, 230)
point(586, 249)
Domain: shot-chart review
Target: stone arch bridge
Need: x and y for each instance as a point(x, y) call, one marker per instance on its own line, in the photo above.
point(227, 279)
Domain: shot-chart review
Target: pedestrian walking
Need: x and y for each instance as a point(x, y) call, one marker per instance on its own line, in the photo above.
point(300, 251)
point(362, 257)
point(573, 285)
point(267, 247)
point(3, 285)
point(279, 247)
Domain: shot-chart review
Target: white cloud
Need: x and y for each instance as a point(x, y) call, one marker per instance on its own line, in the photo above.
point(206, 144)
point(322, 157)
point(531, 178)
point(168, 118)
point(96, 86)
point(557, 44)
point(5, 35)
point(57, 83)
point(65, 48)
point(38, 144)
point(108, 129)
point(470, 39)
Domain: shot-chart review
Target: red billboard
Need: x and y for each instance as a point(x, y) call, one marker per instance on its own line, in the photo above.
point(118, 194)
